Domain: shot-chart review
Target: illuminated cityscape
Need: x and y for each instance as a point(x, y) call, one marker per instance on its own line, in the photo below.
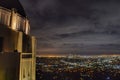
point(89, 28)
point(101, 67)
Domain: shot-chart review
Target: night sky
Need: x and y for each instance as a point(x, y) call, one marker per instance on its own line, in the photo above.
point(75, 26)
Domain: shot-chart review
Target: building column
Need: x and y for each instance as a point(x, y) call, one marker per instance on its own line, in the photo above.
point(20, 42)
point(27, 27)
point(33, 58)
point(13, 19)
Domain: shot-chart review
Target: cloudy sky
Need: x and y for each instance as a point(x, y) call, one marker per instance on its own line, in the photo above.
point(75, 26)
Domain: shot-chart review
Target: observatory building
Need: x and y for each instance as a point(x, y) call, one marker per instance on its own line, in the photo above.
point(17, 47)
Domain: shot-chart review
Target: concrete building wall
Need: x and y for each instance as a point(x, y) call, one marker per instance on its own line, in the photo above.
point(15, 41)
point(10, 39)
point(9, 66)
point(26, 69)
point(14, 37)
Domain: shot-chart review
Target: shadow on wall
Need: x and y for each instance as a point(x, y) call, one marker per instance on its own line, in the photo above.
point(9, 66)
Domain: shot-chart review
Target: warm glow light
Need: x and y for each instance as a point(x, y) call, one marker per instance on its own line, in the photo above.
point(14, 20)
point(93, 56)
point(50, 55)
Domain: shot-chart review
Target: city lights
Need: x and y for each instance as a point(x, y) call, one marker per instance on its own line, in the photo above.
point(102, 67)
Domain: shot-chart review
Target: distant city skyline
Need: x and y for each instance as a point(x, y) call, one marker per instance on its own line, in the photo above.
point(75, 26)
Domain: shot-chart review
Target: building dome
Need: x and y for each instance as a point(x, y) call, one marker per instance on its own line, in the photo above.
point(9, 4)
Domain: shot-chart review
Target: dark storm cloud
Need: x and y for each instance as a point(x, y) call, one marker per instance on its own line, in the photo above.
point(75, 26)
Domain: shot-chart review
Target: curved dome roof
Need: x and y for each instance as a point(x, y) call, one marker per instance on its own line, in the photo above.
point(9, 4)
